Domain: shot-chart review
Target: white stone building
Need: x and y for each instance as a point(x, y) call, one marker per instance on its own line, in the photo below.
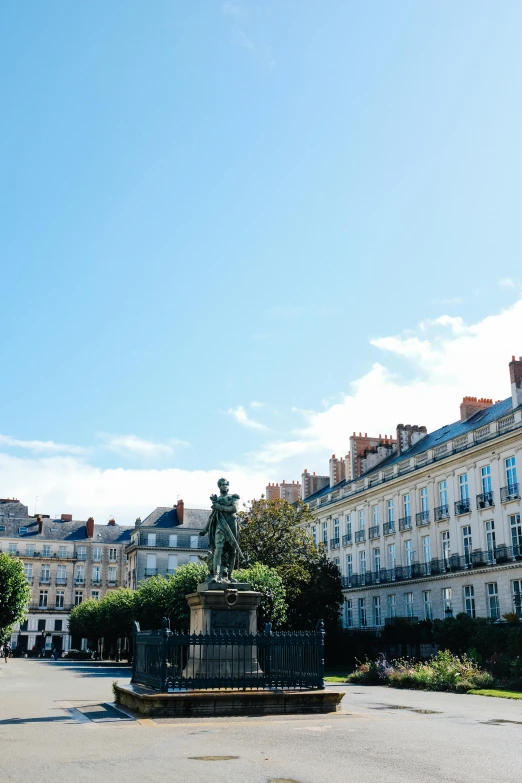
point(434, 528)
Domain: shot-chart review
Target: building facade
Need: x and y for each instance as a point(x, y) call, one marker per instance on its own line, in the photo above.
point(434, 528)
point(167, 538)
point(284, 491)
point(65, 561)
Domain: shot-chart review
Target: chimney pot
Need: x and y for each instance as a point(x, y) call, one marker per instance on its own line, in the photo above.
point(66, 517)
point(89, 527)
point(39, 522)
point(180, 508)
point(111, 522)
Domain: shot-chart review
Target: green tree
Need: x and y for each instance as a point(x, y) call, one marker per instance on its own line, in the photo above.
point(117, 610)
point(160, 597)
point(272, 533)
point(273, 607)
point(15, 592)
point(86, 622)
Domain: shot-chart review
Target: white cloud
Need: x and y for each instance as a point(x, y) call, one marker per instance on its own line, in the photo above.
point(241, 416)
point(257, 404)
point(230, 9)
point(41, 446)
point(507, 282)
point(134, 446)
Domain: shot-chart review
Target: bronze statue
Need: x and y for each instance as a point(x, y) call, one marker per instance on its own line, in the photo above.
point(222, 533)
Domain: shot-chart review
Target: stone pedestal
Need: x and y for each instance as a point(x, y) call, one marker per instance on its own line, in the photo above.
point(221, 611)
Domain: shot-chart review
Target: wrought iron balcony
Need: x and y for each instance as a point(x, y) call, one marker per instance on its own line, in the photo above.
point(360, 537)
point(96, 582)
point(80, 580)
point(61, 581)
point(334, 543)
point(422, 518)
point(151, 571)
point(462, 506)
point(45, 580)
point(441, 512)
point(485, 500)
point(373, 532)
point(405, 523)
point(509, 493)
point(388, 528)
point(347, 539)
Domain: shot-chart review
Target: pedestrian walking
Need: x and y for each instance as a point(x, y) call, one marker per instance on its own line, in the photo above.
point(7, 652)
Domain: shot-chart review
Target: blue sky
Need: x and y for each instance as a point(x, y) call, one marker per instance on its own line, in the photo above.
point(212, 204)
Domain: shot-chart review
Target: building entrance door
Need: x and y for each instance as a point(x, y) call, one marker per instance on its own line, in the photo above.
point(58, 642)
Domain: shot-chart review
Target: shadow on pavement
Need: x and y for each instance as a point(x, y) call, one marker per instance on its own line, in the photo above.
point(49, 719)
point(91, 670)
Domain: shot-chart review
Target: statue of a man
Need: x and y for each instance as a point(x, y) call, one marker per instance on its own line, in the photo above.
point(223, 533)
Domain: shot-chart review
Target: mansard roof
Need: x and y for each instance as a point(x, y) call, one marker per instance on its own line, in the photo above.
point(166, 516)
point(58, 530)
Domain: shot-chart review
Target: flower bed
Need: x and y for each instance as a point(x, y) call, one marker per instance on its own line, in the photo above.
point(443, 672)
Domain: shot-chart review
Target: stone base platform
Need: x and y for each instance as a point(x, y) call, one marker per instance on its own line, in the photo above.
point(191, 704)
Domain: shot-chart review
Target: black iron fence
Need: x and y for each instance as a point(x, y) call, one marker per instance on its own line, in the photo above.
point(169, 661)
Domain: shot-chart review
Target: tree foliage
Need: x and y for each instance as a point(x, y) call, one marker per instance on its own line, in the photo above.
point(15, 592)
point(272, 533)
point(160, 597)
point(85, 620)
point(273, 607)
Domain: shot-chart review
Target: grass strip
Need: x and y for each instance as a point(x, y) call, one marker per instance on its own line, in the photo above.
point(498, 693)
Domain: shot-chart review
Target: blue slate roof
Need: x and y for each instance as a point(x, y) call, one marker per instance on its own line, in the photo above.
point(431, 440)
point(165, 516)
point(58, 530)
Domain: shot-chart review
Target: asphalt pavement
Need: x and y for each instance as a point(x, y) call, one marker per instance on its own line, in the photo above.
point(58, 723)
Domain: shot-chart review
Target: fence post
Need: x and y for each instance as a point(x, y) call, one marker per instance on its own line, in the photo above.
point(268, 655)
point(164, 652)
point(320, 633)
point(135, 632)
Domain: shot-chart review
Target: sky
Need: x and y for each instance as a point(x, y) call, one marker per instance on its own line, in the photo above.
point(232, 233)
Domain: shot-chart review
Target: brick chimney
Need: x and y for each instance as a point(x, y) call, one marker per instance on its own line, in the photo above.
point(138, 522)
point(180, 509)
point(470, 405)
point(89, 527)
point(408, 435)
point(66, 517)
point(515, 374)
point(111, 522)
point(39, 522)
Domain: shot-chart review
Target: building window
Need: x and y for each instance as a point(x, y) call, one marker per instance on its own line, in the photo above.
point(469, 601)
point(428, 608)
point(29, 550)
point(42, 603)
point(150, 567)
point(111, 574)
point(113, 555)
point(467, 544)
point(60, 597)
point(409, 604)
point(391, 559)
point(390, 511)
point(516, 534)
point(485, 474)
point(443, 493)
point(362, 566)
point(62, 551)
point(13, 549)
point(28, 571)
point(325, 533)
point(172, 564)
point(78, 597)
point(392, 606)
point(348, 613)
point(46, 552)
point(95, 594)
point(517, 596)
point(173, 540)
point(81, 553)
point(45, 575)
point(194, 542)
point(446, 601)
point(96, 574)
point(426, 552)
point(97, 554)
point(375, 515)
point(408, 556)
point(406, 506)
point(424, 499)
point(377, 560)
point(61, 575)
point(41, 625)
point(314, 536)
point(362, 612)
point(151, 539)
point(361, 519)
point(349, 525)
point(336, 529)
point(377, 616)
point(446, 552)
point(349, 567)
point(80, 575)
point(58, 625)
point(511, 475)
point(463, 486)
point(490, 540)
point(493, 604)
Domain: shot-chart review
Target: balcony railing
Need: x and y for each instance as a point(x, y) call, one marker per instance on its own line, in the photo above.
point(81, 556)
point(151, 571)
point(45, 580)
point(475, 559)
point(388, 528)
point(373, 532)
point(360, 536)
point(509, 493)
point(441, 512)
point(405, 523)
point(80, 580)
point(462, 506)
point(96, 582)
point(334, 543)
point(422, 518)
point(485, 500)
point(61, 581)
point(347, 539)
point(180, 541)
